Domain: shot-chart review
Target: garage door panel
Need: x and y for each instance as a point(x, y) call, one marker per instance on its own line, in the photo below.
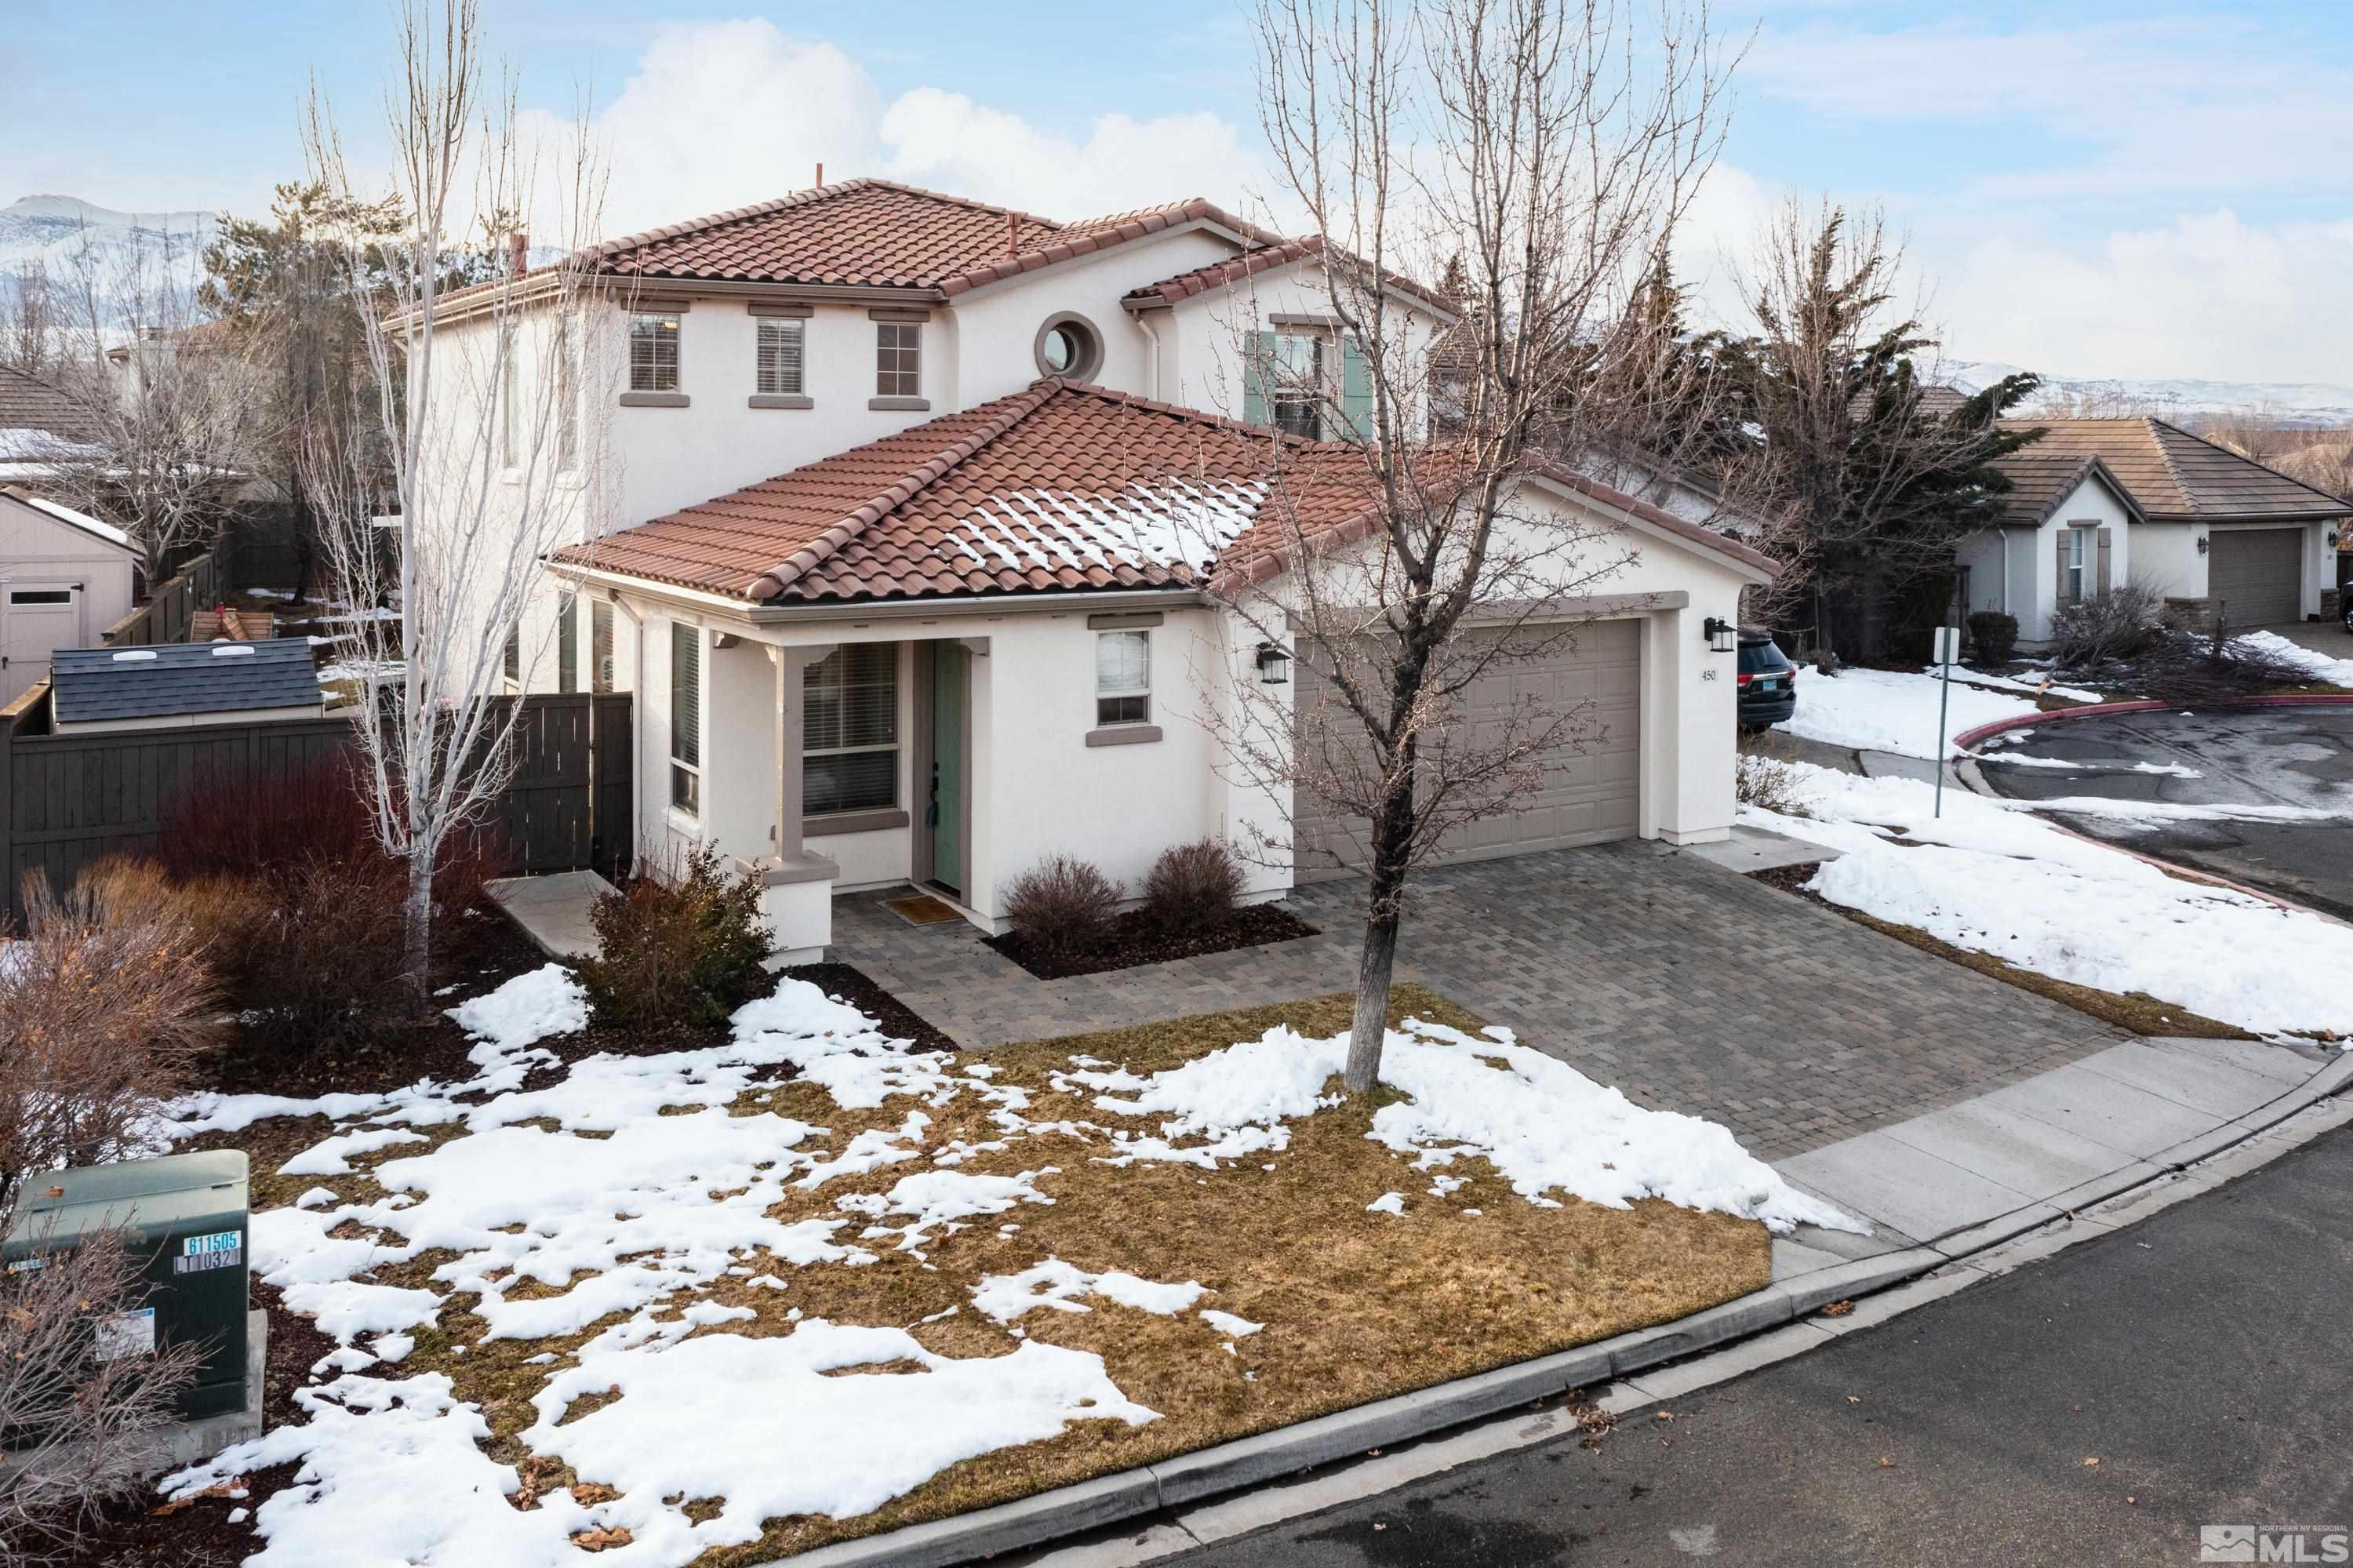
point(1588, 792)
point(2257, 574)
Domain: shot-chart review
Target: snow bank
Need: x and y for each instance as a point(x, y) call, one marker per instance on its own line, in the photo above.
point(2318, 665)
point(524, 1011)
point(1885, 710)
point(1994, 878)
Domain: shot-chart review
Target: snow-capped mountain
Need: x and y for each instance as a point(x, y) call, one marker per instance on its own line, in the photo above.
point(53, 232)
point(2312, 403)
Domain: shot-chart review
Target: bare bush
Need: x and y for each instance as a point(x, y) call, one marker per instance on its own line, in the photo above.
point(103, 1005)
point(2188, 666)
point(1766, 775)
point(1062, 905)
point(1190, 886)
point(2113, 623)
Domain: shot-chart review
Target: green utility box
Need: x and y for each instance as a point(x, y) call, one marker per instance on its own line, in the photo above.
point(187, 1214)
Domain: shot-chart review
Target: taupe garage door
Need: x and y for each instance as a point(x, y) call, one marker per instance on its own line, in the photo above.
point(2258, 574)
point(1590, 789)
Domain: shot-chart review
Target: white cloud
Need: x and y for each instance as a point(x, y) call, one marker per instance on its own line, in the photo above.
point(720, 114)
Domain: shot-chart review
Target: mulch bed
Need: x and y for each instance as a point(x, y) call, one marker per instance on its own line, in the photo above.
point(1134, 939)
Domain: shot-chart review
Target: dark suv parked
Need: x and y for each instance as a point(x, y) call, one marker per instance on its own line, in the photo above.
point(1769, 682)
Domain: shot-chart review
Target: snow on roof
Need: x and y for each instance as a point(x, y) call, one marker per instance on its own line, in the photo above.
point(1180, 523)
point(83, 521)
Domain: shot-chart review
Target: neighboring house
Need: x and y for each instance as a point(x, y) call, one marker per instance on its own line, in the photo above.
point(2098, 502)
point(179, 686)
point(902, 543)
point(64, 579)
point(40, 426)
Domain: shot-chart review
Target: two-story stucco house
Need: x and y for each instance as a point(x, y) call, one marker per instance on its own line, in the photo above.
point(904, 540)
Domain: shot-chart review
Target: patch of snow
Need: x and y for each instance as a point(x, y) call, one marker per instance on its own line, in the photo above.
point(1888, 710)
point(2032, 688)
point(1053, 1283)
point(332, 1157)
point(1387, 1203)
point(2318, 665)
point(1993, 877)
point(521, 1012)
point(1182, 523)
point(1226, 1323)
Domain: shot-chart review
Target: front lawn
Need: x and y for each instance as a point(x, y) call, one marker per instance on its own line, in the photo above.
point(735, 1301)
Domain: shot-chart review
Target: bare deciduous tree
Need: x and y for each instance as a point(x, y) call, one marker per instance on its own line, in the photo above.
point(478, 426)
point(32, 330)
point(101, 1005)
point(1550, 147)
point(173, 411)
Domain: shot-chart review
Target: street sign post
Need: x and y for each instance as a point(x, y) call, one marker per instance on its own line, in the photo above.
point(1949, 649)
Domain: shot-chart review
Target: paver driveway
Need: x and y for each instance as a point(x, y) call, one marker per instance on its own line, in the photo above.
point(1688, 987)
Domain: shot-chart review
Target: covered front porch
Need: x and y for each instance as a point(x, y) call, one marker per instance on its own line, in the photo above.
point(826, 767)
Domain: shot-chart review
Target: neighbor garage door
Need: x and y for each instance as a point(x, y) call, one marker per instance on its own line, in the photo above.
point(2257, 574)
point(1590, 789)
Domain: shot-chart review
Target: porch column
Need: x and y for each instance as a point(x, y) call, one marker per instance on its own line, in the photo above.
point(790, 663)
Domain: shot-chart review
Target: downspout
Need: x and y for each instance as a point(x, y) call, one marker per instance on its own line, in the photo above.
point(2005, 569)
point(636, 717)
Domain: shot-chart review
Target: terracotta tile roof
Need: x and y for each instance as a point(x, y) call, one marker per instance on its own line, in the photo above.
point(1279, 253)
point(27, 403)
point(870, 234)
point(1058, 488)
point(2169, 472)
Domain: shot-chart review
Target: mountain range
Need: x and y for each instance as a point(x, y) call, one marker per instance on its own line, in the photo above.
point(2317, 405)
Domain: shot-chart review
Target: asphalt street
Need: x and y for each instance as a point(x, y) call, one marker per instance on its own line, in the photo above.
point(2300, 757)
point(2098, 1407)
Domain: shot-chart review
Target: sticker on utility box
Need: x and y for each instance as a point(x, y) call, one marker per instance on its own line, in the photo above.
point(126, 1334)
point(202, 1254)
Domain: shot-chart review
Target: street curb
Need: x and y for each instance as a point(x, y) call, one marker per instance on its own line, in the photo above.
point(1227, 1467)
point(1971, 739)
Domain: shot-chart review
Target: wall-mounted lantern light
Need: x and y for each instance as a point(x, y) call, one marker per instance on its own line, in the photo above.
point(1722, 636)
point(1274, 664)
point(2201, 544)
point(2333, 537)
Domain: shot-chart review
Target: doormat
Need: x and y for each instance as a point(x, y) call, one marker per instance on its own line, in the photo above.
point(922, 910)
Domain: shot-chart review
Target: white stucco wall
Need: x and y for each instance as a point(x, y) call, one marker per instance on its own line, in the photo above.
point(1202, 338)
point(2166, 557)
point(2029, 589)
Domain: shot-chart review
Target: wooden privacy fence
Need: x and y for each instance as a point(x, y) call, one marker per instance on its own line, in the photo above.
point(172, 608)
point(67, 801)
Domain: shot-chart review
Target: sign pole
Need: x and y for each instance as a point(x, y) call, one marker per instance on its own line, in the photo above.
point(1948, 640)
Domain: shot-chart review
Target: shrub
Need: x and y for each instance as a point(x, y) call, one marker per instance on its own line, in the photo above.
point(2183, 666)
point(687, 949)
point(1062, 905)
point(1995, 636)
point(318, 945)
point(1764, 775)
point(2113, 623)
point(104, 1004)
point(1194, 885)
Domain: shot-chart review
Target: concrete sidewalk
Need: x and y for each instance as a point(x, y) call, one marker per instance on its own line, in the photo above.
point(553, 911)
point(1962, 1177)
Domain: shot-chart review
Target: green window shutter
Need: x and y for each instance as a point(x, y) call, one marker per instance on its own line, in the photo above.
point(1257, 357)
point(1355, 390)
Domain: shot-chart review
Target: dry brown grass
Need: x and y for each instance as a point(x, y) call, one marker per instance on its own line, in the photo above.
point(1358, 1305)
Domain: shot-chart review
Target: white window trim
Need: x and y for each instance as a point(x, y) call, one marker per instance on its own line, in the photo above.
point(2079, 560)
point(798, 326)
point(1144, 691)
point(893, 327)
point(678, 371)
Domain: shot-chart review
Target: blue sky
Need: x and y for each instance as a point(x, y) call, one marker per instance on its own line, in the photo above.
point(2094, 189)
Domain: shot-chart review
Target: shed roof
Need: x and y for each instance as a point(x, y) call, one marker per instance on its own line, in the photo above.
point(181, 678)
point(71, 518)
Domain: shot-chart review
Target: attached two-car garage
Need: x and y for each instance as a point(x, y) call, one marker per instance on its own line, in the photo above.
point(1592, 786)
point(2256, 576)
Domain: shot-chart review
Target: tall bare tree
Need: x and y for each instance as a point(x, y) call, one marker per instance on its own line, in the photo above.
point(1534, 154)
point(480, 452)
point(32, 330)
point(1873, 475)
point(172, 409)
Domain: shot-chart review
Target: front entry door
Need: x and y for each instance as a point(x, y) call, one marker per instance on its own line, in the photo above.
point(943, 812)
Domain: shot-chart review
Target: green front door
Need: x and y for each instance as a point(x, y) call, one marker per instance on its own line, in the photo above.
point(945, 813)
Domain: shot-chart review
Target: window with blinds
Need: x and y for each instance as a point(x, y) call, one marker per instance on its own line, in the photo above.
point(898, 359)
point(686, 718)
point(567, 645)
point(600, 646)
point(1123, 677)
point(849, 730)
point(781, 342)
point(653, 353)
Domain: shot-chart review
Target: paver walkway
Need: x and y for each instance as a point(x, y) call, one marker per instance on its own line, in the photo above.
point(1688, 987)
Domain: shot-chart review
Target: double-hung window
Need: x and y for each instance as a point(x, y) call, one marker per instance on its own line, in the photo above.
point(898, 359)
point(2079, 565)
point(686, 718)
point(1295, 382)
point(781, 357)
point(653, 352)
point(849, 730)
point(1123, 678)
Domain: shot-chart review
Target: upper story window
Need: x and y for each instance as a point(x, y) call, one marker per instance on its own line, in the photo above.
point(653, 352)
point(898, 359)
point(1295, 381)
point(782, 357)
point(1310, 382)
point(1123, 677)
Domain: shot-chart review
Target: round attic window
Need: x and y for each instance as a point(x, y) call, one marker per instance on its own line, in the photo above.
point(1069, 347)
